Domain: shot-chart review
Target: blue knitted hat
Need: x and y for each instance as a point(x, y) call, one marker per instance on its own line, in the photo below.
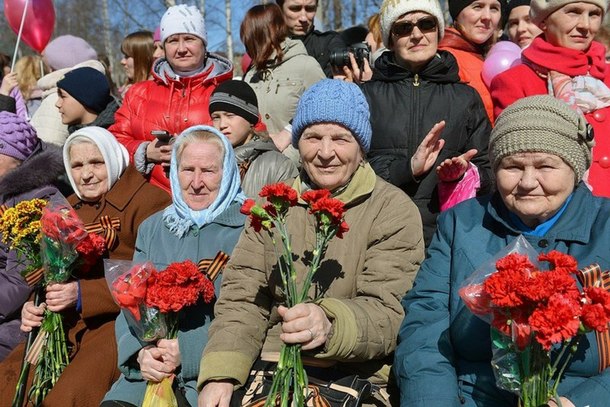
point(334, 101)
point(89, 86)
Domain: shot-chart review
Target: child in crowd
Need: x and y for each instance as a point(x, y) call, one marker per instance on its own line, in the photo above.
point(84, 99)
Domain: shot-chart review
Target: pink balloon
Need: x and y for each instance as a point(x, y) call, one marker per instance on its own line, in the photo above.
point(504, 46)
point(498, 62)
point(39, 21)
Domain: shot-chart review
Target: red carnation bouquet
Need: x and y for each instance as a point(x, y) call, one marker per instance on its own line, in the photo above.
point(66, 248)
point(533, 311)
point(152, 301)
point(289, 384)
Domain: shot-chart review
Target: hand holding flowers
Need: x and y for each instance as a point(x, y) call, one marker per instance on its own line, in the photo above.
point(537, 319)
point(305, 324)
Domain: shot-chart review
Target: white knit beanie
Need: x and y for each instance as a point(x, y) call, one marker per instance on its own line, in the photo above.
point(115, 154)
point(183, 19)
point(391, 10)
point(541, 9)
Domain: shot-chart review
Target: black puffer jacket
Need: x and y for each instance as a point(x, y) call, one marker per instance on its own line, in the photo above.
point(404, 107)
point(320, 44)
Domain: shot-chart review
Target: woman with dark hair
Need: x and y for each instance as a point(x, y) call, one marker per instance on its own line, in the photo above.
point(137, 49)
point(280, 71)
point(474, 31)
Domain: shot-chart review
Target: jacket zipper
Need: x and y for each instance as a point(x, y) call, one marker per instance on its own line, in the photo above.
point(416, 80)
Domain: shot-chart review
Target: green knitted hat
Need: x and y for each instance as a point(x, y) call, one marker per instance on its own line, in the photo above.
point(542, 124)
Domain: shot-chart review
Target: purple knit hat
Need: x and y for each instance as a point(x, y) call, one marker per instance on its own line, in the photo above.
point(17, 138)
point(66, 51)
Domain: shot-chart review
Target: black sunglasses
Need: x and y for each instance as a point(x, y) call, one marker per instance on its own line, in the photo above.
point(404, 28)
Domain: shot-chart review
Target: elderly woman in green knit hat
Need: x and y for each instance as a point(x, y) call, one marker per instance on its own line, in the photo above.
point(539, 150)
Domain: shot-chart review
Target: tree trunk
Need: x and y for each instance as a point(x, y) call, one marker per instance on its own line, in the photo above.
point(322, 14)
point(338, 18)
point(202, 7)
point(107, 43)
point(228, 30)
point(354, 17)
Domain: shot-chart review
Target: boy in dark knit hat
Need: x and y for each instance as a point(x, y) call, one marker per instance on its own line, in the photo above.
point(85, 99)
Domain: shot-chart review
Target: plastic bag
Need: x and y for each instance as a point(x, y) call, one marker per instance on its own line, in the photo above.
point(471, 290)
point(452, 193)
point(128, 284)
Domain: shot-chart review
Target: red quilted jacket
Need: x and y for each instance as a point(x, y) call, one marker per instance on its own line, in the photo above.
point(167, 102)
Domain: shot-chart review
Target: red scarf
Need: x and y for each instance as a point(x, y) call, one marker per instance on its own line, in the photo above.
point(567, 61)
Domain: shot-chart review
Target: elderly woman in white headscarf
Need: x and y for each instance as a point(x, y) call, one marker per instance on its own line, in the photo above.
point(203, 220)
point(114, 199)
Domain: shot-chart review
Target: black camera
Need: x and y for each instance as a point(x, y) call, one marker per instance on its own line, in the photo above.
point(360, 50)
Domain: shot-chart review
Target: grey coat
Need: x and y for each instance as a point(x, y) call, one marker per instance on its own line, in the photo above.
point(266, 165)
point(157, 244)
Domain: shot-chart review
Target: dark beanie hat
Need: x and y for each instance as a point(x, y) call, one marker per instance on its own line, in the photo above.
point(456, 6)
point(89, 86)
point(235, 97)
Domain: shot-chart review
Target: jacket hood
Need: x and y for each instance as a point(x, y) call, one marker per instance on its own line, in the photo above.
point(216, 67)
point(443, 68)
point(253, 149)
point(543, 56)
point(39, 170)
point(453, 39)
point(291, 49)
point(48, 83)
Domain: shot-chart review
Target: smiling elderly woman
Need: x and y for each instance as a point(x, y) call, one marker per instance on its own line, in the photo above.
point(203, 220)
point(104, 185)
point(539, 150)
point(565, 62)
point(352, 328)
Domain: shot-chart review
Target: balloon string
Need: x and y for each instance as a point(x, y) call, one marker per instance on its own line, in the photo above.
point(25, 11)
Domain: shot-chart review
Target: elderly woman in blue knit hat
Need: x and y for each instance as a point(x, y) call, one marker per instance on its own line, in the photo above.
point(352, 328)
point(203, 220)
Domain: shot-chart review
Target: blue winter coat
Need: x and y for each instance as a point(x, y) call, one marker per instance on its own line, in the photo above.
point(157, 244)
point(444, 352)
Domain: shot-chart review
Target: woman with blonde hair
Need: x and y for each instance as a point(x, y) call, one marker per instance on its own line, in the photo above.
point(29, 69)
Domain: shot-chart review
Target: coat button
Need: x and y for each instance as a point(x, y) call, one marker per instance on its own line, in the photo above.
point(267, 116)
point(543, 243)
point(599, 116)
point(604, 162)
point(196, 232)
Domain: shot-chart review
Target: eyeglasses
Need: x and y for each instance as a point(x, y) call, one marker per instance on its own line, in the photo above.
point(404, 28)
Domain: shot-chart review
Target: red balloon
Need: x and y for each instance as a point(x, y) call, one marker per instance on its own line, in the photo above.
point(39, 21)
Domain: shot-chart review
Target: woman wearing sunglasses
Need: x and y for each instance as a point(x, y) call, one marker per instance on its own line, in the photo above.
point(416, 88)
point(474, 31)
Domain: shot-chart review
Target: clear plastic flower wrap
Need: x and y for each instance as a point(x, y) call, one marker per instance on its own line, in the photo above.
point(128, 283)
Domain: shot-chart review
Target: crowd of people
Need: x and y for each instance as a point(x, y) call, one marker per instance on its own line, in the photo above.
point(437, 170)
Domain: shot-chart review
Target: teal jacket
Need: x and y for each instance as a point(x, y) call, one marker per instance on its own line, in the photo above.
point(157, 244)
point(444, 351)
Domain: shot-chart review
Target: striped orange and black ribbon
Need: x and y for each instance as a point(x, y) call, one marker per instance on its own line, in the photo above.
point(107, 227)
point(33, 277)
point(213, 267)
point(593, 276)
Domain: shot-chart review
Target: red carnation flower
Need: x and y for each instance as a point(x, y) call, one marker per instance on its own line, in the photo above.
point(129, 290)
point(515, 261)
point(179, 285)
point(247, 206)
point(503, 286)
point(332, 207)
point(514, 325)
point(594, 317)
point(342, 229)
point(559, 261)
point(314, 195)
point(279, 191)
point(555, 322)
point(597, 295)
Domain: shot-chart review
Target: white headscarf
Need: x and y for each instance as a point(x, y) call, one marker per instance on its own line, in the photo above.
point(115, 154)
